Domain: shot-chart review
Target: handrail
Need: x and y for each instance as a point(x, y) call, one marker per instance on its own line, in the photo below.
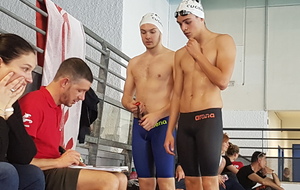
point(107, 44)
point(31, 5)
point(21, 20)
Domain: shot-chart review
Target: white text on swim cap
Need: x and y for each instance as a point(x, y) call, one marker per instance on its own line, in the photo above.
point(195, 6)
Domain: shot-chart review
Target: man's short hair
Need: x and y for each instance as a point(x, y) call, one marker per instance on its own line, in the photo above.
point(75, 69)
point(256, 155)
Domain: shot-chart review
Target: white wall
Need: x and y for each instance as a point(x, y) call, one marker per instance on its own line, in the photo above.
point(10, 25)
point(102, 17)
point(283, 58)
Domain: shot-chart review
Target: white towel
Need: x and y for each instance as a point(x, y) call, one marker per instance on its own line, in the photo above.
point(65, 38)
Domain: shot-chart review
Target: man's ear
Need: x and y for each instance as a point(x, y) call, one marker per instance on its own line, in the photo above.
point(65, 81)
point(259, 160)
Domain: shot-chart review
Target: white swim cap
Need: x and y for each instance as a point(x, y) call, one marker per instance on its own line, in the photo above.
point(152, 18)
point(190, 7)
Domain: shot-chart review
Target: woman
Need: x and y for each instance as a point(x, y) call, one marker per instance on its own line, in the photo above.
point(17, 61)
point(233, 153)
point(225, 181)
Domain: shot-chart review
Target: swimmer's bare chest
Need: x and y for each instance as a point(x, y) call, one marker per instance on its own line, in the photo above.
point(198, 91)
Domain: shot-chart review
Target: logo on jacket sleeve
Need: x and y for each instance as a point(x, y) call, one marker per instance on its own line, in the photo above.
point(27, 120)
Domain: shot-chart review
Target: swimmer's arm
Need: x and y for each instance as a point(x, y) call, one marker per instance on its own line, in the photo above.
point(177, 91)
point(129, 91)
point(220, 74)
point(175, 105)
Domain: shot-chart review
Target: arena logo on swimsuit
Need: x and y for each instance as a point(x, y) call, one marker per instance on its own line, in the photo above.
point(204, 116)
point(163, 122)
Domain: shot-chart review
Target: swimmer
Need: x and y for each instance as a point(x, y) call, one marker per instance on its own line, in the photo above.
point(203, 68)
point(147, 94)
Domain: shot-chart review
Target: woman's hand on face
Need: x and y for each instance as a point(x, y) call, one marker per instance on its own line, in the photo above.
point(19, 90)
point(11, 91)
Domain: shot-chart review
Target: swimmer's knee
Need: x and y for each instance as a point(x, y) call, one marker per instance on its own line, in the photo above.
point(209, 182)
point(166, 183)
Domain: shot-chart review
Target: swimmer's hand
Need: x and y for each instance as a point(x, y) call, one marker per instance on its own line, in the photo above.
point(193, 48)
point(148, 121)
point(179, 174)
point(169, 144)
point(132, 107)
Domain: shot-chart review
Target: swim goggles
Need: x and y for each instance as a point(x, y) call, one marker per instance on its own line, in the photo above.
point(182, 13)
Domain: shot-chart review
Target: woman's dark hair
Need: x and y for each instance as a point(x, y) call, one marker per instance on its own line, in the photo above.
point(232, 149)
point(13, 46)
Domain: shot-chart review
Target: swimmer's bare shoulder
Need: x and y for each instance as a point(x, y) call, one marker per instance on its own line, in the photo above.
point(135, 60)
point(179, 54)
point(224, 40)
point(168, 56)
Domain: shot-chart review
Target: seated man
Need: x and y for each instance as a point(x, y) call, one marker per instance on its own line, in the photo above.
point(256, 172)
point(42, 115)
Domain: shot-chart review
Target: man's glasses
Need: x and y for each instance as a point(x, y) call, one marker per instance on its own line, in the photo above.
point(182, 13)
point(262, 154)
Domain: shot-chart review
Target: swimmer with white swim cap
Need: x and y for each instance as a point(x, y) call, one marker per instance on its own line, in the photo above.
point(147, 93)
point(190, 7)
point(152, 18)
point(203, 68)
point(151, 29)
